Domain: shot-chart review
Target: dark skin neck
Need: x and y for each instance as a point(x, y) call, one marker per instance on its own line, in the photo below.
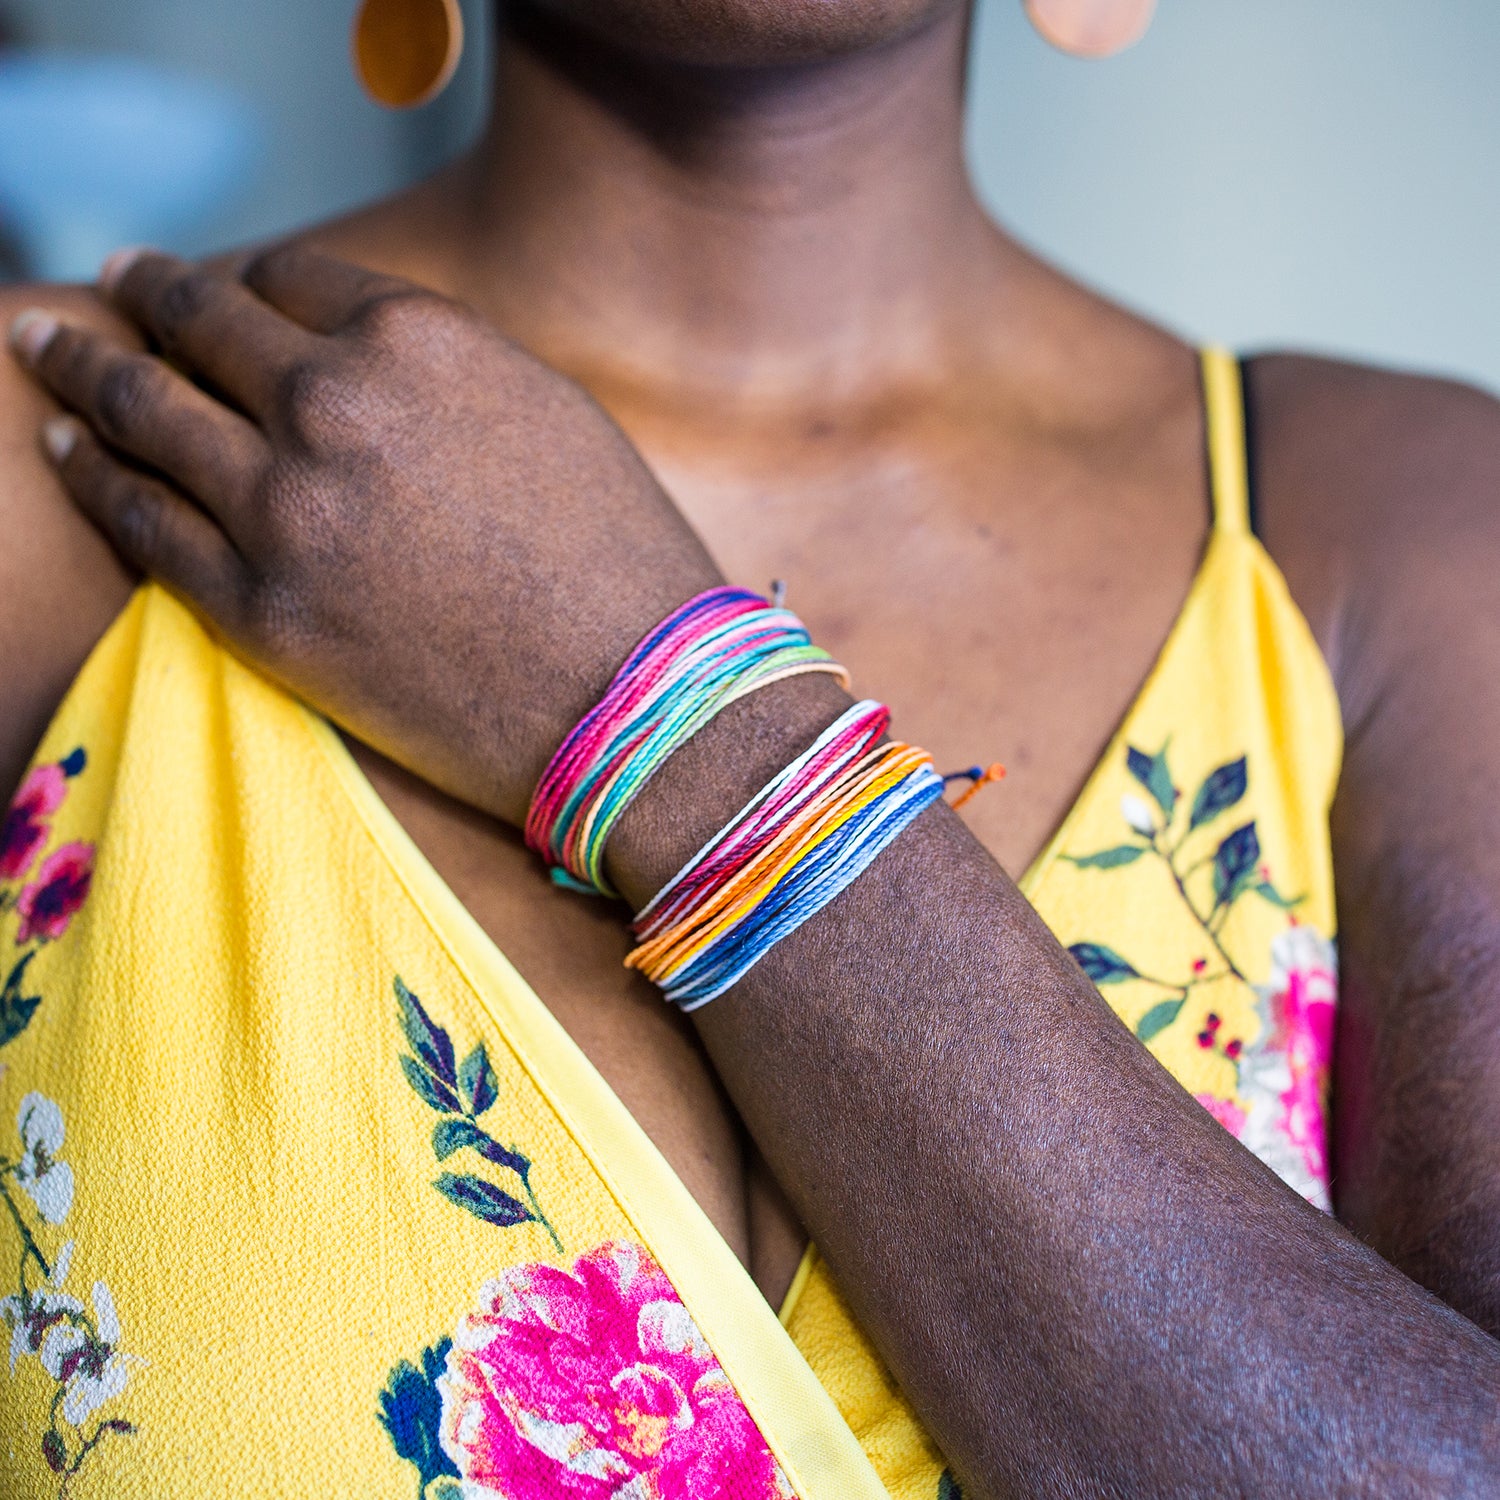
point(710, 243)
point(729, 256)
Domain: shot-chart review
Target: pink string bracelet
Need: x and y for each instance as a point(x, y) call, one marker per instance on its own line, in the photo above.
point(717, 648)
point(783, 857)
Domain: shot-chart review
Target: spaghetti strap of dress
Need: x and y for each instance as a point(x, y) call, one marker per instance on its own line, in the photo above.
point(1224, 408)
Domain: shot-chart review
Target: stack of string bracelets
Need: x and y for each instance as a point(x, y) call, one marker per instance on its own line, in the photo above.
point(785, 855)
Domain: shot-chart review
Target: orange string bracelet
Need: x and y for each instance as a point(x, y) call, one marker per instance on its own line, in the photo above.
point(873, 777)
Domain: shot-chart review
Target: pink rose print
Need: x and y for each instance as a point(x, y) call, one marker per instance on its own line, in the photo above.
point(1303, 1002)
point(1283, 1082)
point(25, 829)
point(62, 886)
point(596, 1384)
point(1225, 1111)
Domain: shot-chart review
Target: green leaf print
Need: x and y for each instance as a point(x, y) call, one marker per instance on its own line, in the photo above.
point(1103, 965)
point(428, 1040)
point(1153, 774)
point(483, 1199)
point(16, 1009)
point(1207, 884)
point(427, 1088)
point(476, 1081)
point(411, 1411)
point(449, 1136)
point(1235, 862)
point(1107, 859)
point(1221, 789)
point(1268, 892)
point(459, 1094)
point(1158, 1018)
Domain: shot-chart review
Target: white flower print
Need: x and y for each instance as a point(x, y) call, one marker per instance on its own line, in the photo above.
point(77, 1346)
point(1136, 813)
point(31, 1319)
point(89, 1366)
point(46, 1180)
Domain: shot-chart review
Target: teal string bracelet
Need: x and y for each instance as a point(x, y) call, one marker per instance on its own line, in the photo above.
point(717, 648)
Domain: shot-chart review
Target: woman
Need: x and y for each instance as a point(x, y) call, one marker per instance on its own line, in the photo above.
point(747, 232)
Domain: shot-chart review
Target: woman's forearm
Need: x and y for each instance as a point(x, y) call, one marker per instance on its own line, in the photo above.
point(1084, 1284)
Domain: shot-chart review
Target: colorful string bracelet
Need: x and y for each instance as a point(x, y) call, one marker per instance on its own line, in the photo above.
point(783, 857)
point(717, 648)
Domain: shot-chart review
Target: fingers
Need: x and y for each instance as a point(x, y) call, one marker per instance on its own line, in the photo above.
point(317, 291)
point(155, 529)
point(142, 407)
point(207, 321)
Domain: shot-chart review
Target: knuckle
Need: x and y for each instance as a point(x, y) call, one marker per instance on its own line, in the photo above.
point(183, 299)
point(271, 617)
point(311, 401)
point(125, 390)
point(269, 265)
point(138, 518)
point(400, 316)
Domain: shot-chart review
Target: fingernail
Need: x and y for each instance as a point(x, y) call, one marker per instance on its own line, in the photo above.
point(30, 333)
point(58, 437)
point(117, 263)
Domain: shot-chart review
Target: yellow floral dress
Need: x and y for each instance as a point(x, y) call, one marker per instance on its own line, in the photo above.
point(304, 1192)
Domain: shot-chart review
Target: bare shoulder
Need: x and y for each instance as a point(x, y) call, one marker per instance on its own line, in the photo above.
point(60, 585)
point(1378, 494)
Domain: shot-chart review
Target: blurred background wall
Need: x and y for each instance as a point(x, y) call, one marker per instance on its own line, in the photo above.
point(1312, 172)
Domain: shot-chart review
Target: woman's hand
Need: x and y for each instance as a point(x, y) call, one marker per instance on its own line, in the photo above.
point(375, 498)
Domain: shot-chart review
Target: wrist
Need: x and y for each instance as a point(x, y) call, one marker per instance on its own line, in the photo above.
point(713, 776)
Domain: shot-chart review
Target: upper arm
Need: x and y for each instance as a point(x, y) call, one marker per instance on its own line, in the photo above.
point(1380, 496)
point(60, 585)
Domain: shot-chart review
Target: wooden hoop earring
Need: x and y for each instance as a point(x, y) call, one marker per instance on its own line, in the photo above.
point(1091, 28)
point(405, 51)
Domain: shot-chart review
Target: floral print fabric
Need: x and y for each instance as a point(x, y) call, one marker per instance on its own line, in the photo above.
point(43, 893)
point(76, 1344)
point(1284, 1080)
point(592, 1383)
point(595, 1383)
point(1272, 1037)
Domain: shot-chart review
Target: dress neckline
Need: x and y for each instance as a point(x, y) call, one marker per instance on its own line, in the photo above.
point(680, 1233)
point(1229, 525)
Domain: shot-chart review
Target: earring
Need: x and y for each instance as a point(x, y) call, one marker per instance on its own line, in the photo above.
point(405, 51)
point(1091, 28)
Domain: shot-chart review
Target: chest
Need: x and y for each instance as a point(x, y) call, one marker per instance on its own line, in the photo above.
point(1006, 597)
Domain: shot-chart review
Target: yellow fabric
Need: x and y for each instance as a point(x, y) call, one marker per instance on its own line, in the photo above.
point(218, 1061)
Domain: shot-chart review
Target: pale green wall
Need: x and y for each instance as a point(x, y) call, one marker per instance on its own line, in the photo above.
point(1310, 172)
